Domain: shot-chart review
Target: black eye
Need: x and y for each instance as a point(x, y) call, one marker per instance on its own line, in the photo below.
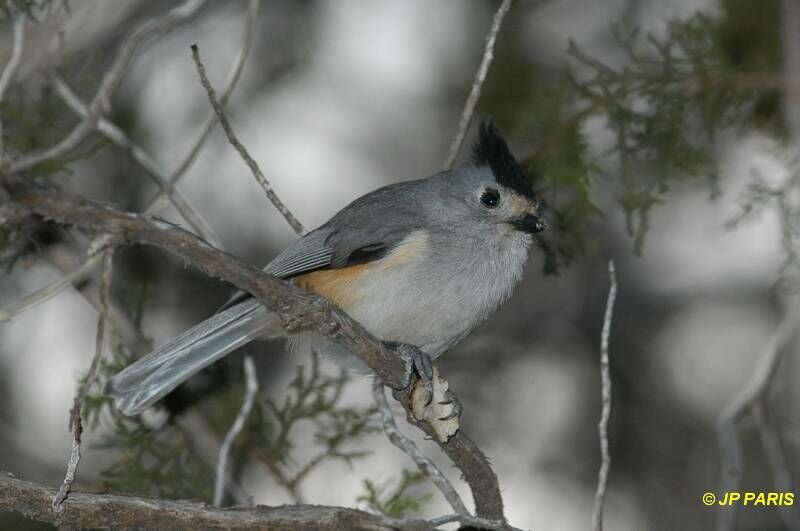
point(490, 198)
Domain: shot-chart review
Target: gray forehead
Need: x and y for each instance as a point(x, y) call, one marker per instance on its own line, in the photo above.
point(467, 179)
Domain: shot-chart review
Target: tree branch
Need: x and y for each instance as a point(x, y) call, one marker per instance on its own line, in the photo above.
point(118, 137)
point(602, 426)
point(51, 290)
point(76, 422)
point(750, 395)
point(111, 511)
point(114, 511)
point(108, 85)
point(251, 163)
point(251, 389)
point(233, 79)
point(296, 308)
point(11, 68)
point(425, 465)
point(477, 84)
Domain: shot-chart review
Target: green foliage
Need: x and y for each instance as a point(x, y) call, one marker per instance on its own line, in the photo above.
point(561, 175)
point(312, 398)
point(665, 101)
point(665, 107)
point(396, 502)
point(153, 461)
point(158, 461)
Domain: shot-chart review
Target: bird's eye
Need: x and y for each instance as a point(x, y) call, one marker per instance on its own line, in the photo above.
point(490, 198)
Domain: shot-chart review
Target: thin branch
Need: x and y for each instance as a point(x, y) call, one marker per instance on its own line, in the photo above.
point(778, 464)
point(750, 395)
point(233, 79)
point(76, 422)
point(602, 426)
point(11, 67)
point(107, 87)
point(205, 445)
point(48, 292)
point(425, 465)
point(251, 389)
point(140, 156)
point(472, 522)
point(477, 84)
point(251, 163)
point(295, 308)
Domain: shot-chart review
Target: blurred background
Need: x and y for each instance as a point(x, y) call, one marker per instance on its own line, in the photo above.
point(659, 132)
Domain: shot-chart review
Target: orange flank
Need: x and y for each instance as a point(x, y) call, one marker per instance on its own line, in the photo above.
point(341, 286)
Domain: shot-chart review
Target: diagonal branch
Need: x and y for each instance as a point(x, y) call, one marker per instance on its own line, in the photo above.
point(751, 394)
point(477, 84)
point(107, 87)
point(11, 67)
point(425, 465)
point(118, 137)
point(51, 290)
point(251, 163)
point(297, 310)
point(233, 79)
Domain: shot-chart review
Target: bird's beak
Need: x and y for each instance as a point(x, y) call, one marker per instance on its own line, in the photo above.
point(529, 224)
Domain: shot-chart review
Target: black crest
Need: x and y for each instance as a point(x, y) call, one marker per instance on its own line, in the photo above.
point(491, 150)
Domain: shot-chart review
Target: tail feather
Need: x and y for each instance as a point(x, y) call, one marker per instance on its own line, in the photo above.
point(151, 378)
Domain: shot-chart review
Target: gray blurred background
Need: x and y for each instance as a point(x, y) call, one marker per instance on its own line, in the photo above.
point(338, 98)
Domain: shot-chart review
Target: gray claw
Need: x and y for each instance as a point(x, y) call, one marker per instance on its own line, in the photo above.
point(451, 399)
point(416, 361)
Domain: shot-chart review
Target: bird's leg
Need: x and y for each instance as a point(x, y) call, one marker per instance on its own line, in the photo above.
point(416, 361)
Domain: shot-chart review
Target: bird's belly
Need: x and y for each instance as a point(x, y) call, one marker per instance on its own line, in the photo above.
point(428, 315)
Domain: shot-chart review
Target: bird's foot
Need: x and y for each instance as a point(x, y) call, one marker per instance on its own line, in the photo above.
point(450, 399)
point(418, 362)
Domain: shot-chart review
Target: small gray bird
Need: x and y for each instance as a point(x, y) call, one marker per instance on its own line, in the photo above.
point(419, 264)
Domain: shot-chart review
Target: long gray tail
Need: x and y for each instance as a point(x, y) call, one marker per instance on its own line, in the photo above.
point(152, 377)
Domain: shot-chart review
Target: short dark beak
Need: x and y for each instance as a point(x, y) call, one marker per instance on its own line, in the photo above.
point(530, 224)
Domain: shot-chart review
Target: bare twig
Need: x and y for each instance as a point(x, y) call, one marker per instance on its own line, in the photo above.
point(477, 84)
point(11, 67)
point(296, 309)
point(233, 79)
point(602, 426)
point(251, 163)
point(251, 388)
point(425, 465)
point(140, 156)
point(76, 423)
point(204, 444)
point(750, 395)
point(108, 85)
point(63, 257)
point(48, 292)
point(778, 464)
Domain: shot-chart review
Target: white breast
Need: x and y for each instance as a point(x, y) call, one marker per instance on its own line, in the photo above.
point(431, 299)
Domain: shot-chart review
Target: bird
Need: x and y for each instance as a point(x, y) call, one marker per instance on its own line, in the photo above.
point(419, 264)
